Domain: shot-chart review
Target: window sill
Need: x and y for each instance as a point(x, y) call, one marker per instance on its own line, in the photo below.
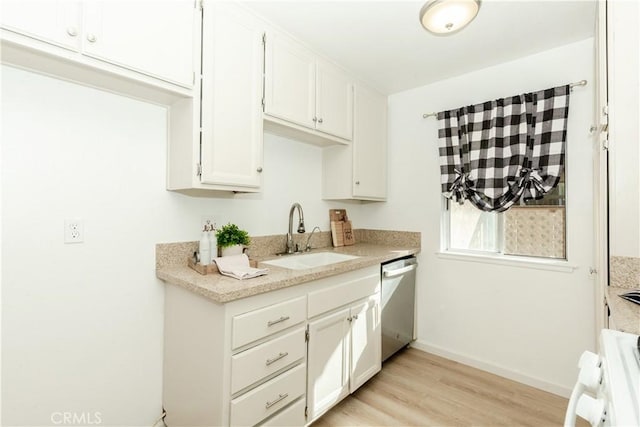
point(523, 262)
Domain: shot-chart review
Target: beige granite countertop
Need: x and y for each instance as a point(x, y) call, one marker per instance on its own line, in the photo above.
point(222, 289)
point(625, 315)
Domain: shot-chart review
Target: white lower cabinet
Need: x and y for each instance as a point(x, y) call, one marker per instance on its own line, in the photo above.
point(328, 362)
point(250, 366)
point(267, 399)
point(293, 416)
point(344, 352)
point(251, 326)
point(366, 342)
point(247, 362)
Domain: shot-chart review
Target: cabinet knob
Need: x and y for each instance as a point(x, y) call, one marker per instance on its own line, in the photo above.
point(315, 119)
point(72, 31)
point(91, 38)
point(319, 120)
point(259, 169)
point(357, 182)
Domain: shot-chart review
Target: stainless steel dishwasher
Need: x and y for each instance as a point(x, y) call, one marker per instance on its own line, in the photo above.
point(398, 304)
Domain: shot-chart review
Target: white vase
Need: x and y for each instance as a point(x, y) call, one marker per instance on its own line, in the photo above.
point(232, 250)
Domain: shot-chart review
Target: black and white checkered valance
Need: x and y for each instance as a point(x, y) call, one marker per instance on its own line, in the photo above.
point(497, 152)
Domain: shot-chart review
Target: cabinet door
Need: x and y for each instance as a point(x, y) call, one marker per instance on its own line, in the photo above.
point(155, 38)
point(290, 81)
point(370, 145)
point(365, 342)
point(328, 362)
point(231, 152)
point(55, 22)
point(334, 101)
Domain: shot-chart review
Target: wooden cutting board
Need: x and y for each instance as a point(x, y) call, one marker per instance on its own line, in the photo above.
point(347, 233)
point(338, 215)
point(337, 233)
point(341, 228)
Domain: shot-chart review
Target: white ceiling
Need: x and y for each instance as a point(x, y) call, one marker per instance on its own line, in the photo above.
point(383, 43)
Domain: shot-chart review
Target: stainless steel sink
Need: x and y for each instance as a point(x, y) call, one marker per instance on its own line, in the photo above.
point(318, 259)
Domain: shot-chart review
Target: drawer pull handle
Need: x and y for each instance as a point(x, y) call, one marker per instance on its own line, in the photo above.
point(275, 322)
point(278, 357)
point(280, 398)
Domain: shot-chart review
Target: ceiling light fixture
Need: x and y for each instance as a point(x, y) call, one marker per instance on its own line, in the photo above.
point(444, 17)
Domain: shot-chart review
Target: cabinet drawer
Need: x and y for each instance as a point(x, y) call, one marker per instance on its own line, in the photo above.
point(249, 327)
point(254, 364)
point(267, 399)
point(293, 416)
point(331, 297)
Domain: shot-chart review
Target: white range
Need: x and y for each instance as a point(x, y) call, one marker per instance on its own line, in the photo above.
point(607, 392)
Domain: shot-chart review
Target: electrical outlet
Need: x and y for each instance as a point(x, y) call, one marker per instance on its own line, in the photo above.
point(73, 230)
point(208, 221)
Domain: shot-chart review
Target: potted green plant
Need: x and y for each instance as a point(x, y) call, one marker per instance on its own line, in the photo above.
point(232, 240)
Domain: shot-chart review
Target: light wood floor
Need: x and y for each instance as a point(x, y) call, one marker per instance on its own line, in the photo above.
point(420, 389)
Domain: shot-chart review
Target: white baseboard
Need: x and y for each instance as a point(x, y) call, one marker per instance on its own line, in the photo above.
point(494, 369)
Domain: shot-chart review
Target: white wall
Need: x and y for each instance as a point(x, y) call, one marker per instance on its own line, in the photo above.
point(527, 324)
point(82, 323)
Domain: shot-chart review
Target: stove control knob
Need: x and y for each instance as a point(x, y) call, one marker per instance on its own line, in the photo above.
point(592, 410)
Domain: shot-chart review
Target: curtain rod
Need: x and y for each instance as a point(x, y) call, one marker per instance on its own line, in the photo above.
point(571, 86)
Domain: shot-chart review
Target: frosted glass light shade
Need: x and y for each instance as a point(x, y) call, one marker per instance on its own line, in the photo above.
point(443, 17)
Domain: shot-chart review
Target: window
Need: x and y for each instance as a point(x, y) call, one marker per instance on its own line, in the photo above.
point(534, 228)
point(493, 156)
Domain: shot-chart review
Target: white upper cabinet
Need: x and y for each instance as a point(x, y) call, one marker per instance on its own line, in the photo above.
point(290, 81)
point(305, 90)
point(359, 171)
point(215, 143)
point(154, 38)
point(55, 22)
point(231, 97)
point(370, 145)
point(334, 101)
point(126, 42)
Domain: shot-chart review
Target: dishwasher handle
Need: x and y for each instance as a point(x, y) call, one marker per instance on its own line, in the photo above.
point(399, 271)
